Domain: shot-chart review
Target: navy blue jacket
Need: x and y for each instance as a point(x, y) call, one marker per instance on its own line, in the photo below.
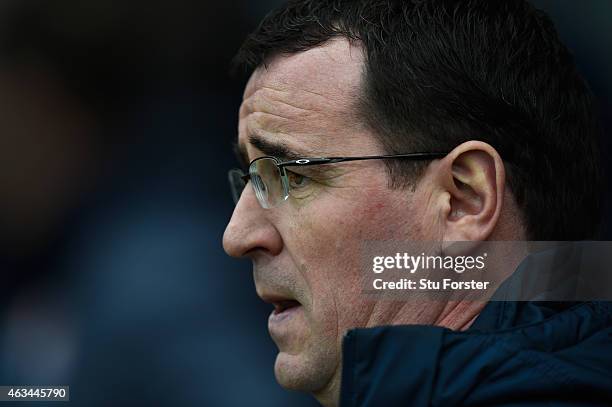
point(515, 354)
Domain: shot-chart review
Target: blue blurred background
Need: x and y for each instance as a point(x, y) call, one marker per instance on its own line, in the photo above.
point(117, 120)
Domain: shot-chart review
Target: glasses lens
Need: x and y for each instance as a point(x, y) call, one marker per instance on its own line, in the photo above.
point(237, 184)
point(267, 182)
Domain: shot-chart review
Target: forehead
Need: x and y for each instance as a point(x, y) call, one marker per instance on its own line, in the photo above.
point(308, 98)
point(332, 70)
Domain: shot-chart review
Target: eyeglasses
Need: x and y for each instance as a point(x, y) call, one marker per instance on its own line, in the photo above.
point(270, 178)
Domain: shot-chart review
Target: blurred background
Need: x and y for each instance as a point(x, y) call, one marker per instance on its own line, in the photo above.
point(116, 125)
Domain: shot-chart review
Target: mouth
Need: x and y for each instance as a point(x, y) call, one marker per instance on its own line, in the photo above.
point(283, 306)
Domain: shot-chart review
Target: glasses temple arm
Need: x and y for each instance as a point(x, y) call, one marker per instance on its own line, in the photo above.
point(331, 160)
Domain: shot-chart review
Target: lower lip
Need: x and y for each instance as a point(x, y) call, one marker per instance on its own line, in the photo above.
point(278, 317)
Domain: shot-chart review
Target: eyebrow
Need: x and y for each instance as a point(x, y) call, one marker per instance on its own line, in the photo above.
point(278, 150)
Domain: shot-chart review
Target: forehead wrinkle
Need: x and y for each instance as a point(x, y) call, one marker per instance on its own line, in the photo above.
point(278, 95)
point(265, 109)
point(314, 132)
point(265, 112)
point(259, 121)
point(292, 104)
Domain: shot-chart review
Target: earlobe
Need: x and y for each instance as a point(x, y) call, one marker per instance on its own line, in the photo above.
point(474, 178)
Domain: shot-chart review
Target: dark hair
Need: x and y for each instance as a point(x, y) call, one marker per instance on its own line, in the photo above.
point(442, 72)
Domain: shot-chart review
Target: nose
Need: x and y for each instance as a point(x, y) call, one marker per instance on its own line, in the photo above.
point(250, 230)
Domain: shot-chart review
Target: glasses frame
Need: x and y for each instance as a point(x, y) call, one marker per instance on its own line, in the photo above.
point(306, 162)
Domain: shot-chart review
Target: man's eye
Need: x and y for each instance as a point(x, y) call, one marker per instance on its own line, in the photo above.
point(297, 180)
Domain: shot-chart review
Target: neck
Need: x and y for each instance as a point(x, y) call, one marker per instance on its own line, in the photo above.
point(459, 315)
point(455, 315)
point(329, 396)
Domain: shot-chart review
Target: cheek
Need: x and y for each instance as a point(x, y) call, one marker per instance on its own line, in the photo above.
point(326, 248)
point(381, 216)
point(326, 239)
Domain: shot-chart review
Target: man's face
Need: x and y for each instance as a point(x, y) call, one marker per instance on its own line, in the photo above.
point(306, 252)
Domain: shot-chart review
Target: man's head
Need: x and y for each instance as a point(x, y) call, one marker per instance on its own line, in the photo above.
point(487, 82)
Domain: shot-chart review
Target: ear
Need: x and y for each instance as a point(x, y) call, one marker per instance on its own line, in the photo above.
point(472, 178)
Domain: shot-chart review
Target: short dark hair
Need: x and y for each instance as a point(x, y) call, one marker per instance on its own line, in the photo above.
point(442, 72)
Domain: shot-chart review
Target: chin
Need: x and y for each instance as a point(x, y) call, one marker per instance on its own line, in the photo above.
point(298, 373)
